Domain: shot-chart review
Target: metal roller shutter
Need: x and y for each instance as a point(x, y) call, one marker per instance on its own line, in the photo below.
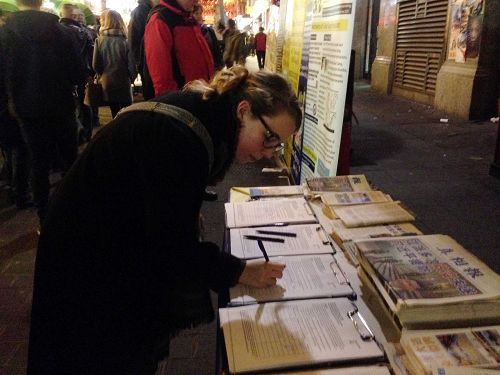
point(420, 44)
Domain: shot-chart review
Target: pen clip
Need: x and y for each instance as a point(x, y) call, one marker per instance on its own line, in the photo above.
point(353, 314)
point(279, 224)
point(334, 264)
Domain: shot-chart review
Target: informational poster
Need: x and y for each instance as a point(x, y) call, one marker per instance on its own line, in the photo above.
point(466, 29)
point(296, 160)
point(329, 57)
point(275, 37)
point(292, 54)
point(287, 35)
point(294, 40)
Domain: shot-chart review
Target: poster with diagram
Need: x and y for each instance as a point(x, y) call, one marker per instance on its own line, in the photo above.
point(328, 70)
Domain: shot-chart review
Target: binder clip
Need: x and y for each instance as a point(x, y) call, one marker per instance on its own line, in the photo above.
point(334, 264)
point(365, 333)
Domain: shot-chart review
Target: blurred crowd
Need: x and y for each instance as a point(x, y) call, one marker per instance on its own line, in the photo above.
point(48, 62)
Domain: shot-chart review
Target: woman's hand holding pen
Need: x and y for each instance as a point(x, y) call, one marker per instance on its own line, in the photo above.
point(261, 274)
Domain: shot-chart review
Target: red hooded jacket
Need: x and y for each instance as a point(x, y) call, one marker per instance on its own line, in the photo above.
point(176, 51)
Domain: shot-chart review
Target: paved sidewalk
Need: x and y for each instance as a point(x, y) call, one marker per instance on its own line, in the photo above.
point(438, 170)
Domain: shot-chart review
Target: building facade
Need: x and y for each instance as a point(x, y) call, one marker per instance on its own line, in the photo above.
point(440, 52)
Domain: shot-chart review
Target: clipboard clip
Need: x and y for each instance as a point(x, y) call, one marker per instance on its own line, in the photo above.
point(312, 196)
point(308, 208)
point(345, 281)
point(322, 235)
point(365, 333)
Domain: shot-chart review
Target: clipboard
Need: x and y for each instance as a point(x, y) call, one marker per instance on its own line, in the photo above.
point(305, 277)
point(318, 333)
point(269, 213)
point(308, 240)
point(280, 191)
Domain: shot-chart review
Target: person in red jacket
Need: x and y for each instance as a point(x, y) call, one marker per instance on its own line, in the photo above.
point(260, 47)
point(175, 48)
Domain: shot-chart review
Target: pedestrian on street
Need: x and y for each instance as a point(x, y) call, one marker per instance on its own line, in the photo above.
point(235, 50)
point(176, 51)
point(210, 37)
point(120, 269)
point(15, 168)
point(136, 26)
point(251, 44)
point(84, 42)
point(113, 62)
point(260, 47)
point(40, 66)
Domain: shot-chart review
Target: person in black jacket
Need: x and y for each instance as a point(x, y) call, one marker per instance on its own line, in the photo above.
point(84, 39)
point(15, 152)
point(210, 37)
point(41, 67)
point(14, 149)
point(136, 26)
point(120, 268)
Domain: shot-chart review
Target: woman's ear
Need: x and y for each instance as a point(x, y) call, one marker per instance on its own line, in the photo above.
point(242, 108)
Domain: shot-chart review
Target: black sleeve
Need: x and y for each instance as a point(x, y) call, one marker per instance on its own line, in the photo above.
point(135, 34)
point(214, 45)
point(72, 62)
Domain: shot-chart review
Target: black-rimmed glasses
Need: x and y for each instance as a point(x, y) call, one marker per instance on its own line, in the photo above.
point(271, 140)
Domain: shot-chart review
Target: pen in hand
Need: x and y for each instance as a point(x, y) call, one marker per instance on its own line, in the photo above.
point(263, 249)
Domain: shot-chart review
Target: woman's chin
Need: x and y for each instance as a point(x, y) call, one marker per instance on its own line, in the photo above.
point(246, 159)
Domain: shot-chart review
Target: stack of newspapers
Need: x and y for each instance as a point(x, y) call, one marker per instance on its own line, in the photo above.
point(437, 301)
point(426, 282)
point(430, 350)
point(355, 211)
point(431, 281)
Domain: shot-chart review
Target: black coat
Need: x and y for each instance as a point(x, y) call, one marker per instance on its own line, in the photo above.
point(213, 43)
point(119, 267)
point(136, 26)
point(39, 63)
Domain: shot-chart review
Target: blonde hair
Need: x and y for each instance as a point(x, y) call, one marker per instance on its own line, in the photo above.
point(111, 19)
point(66, 10)
point(268, 93)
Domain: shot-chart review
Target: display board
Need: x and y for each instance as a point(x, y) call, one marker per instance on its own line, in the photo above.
point(275, 37)
point(296, 157)
point(292, 54)
point(328, 70)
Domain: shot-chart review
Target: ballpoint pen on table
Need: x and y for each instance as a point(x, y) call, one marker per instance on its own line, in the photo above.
point(276, 233)
point(263, 249)
point(263, 238)
point(269, 225)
